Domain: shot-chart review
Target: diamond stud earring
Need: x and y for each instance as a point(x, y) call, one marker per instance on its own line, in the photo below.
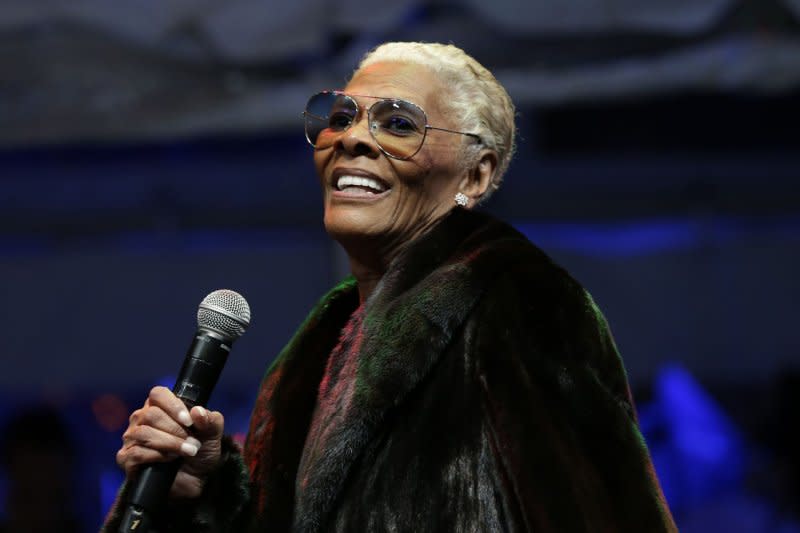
point(461, 199)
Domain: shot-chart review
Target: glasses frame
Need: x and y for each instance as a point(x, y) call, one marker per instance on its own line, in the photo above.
point(371, 124)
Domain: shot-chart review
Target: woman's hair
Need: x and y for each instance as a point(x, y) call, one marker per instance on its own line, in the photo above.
point(482, 104)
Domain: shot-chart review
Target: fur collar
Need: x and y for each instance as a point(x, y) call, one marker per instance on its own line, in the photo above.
point(394, 339)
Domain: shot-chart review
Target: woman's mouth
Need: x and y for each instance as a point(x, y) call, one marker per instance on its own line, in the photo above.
point(358, 187)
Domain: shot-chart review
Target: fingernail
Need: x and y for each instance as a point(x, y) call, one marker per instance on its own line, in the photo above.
point(202, 412)
point(189, 448)
point(184, 418)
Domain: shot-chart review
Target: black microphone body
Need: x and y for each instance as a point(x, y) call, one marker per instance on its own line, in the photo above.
point(201, 369)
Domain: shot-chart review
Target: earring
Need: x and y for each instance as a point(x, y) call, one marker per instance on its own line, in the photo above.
point(461, 199)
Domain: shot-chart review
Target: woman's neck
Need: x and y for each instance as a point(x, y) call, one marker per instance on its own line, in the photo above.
point(370, 258)
point(367, 266)
point(367, 279)
point(369, 261)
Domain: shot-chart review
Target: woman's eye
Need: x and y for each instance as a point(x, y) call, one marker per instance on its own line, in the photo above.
point(339, 121)
point(400, 125)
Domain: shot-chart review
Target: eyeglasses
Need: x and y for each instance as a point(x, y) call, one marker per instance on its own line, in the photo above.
point(398, 127)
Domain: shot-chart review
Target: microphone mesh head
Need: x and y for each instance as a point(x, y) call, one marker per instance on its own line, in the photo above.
point(224, 311)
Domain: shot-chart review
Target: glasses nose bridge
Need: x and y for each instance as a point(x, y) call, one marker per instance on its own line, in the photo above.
point(354, 135)
point(362, 116)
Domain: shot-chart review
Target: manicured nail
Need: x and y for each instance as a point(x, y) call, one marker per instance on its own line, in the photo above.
point(184, 417)
point(202, 412)
point(190, 446)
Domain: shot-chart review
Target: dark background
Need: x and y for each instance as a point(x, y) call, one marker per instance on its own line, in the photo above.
point(150, 154)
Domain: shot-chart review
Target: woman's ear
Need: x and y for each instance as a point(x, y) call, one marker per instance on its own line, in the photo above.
point(479, 178)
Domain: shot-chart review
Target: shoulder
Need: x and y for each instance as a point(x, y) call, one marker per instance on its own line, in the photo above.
point(518, 280)
point(499, 257)
point(533, 314)
point(515, 290)
point(524, 280)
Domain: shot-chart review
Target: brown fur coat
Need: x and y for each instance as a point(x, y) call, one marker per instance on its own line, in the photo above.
point(477, 389)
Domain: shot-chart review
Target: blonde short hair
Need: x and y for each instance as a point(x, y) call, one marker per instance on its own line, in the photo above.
point(482, 104)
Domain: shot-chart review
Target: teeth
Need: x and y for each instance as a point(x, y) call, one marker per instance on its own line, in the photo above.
point(347, 181)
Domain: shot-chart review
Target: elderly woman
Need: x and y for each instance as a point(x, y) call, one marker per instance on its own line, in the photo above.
point(459, 380)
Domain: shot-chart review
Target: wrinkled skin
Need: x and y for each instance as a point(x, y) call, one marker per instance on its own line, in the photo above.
point(162, 430)
point(374, 229)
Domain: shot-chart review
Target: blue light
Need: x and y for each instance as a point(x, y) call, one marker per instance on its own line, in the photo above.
point(697, 451)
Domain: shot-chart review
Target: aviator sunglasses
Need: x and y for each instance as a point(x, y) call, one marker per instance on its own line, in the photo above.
point(399, 127)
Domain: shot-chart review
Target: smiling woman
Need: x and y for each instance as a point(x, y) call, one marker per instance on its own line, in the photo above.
point(459, 380)
point(417, 168)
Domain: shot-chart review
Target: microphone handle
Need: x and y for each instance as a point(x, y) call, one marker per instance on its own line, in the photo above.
point(198, 376)
point(149, 493)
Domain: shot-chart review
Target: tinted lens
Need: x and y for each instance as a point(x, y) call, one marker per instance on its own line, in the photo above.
point(398, 127)
point(328, 114)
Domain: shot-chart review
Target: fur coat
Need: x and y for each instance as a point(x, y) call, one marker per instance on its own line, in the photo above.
point(477, 389)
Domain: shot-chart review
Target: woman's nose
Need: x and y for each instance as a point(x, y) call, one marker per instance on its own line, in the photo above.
point(357, 140)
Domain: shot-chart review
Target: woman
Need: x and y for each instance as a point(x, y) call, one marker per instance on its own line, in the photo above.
point(457, 381)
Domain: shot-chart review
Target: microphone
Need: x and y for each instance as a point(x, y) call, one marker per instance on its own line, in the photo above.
point(222, 317)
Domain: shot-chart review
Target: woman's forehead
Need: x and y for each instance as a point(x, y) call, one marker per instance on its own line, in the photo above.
point(408, 81)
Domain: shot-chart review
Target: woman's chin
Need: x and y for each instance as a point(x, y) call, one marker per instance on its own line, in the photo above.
point(346, 225)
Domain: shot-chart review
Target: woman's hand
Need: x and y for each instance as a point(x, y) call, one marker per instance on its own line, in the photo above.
point(162, 430)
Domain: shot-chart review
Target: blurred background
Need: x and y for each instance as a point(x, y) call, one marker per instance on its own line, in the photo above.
point(152, 151)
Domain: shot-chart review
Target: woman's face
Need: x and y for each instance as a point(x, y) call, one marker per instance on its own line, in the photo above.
point(417, 191)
